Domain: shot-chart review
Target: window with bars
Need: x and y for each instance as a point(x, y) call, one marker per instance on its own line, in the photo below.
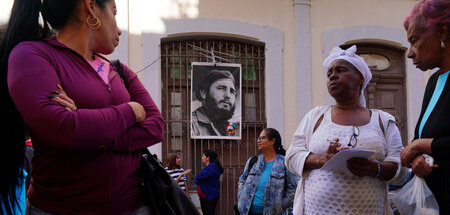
point(177, 54)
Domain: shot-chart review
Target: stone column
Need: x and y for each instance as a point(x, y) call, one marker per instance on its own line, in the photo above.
point(303, 56)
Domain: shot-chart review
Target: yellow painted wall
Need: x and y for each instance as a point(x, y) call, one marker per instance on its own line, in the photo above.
point(274, 13)
point(333, 14)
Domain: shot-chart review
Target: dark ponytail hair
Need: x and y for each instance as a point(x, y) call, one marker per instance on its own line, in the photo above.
point(272, 133)
point(23, 25)
point(213, 158)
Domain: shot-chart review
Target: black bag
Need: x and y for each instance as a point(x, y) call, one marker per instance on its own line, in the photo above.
point(158, 189)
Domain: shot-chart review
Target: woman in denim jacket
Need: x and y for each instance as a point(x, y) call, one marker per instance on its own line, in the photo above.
point(267, 187)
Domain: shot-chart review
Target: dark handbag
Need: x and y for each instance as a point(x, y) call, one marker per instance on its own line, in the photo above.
point(159, 191)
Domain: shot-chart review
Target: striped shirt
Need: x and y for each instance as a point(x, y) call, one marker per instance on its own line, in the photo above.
point(175, 173)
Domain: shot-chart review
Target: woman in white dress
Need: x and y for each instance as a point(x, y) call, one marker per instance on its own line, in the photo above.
point(326, 130)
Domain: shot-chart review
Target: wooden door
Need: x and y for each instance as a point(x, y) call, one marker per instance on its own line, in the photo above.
point(387, 90)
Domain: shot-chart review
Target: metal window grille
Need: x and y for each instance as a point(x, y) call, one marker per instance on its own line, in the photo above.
point(176, 58)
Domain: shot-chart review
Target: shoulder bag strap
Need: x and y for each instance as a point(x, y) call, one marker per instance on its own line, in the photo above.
point(119, 68)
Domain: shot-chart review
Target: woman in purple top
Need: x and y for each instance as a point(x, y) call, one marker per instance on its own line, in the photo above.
point(87, 131)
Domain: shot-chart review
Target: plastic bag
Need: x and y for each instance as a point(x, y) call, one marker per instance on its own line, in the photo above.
point(415, 198)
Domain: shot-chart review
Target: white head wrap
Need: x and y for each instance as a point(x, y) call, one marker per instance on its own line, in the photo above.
point(350, 56)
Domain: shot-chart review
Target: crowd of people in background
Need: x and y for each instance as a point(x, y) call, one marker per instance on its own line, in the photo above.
point(86, 146)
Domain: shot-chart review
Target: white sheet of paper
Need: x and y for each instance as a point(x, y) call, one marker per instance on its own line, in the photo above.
point(339, 160)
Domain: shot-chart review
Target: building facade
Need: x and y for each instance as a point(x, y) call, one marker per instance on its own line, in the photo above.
point(280, 46)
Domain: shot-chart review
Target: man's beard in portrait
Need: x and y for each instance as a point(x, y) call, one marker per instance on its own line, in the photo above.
point(215, 113)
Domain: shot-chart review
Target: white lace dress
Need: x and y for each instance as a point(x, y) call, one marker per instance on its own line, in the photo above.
point(335, 192)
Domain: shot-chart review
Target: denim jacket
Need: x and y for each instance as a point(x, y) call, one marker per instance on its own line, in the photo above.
point(280, 188)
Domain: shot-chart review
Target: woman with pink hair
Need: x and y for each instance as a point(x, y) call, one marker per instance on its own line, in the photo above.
point(428, 29)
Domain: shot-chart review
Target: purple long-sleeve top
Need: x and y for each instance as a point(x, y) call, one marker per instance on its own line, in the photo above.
point(85, 161)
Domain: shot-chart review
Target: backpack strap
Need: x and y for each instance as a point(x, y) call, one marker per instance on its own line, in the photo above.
point(252, 162)
point(119, 68)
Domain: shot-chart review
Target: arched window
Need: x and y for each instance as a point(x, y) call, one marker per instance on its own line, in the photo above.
point(176, 57)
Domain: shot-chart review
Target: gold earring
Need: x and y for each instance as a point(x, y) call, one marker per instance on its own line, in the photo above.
point(93, 22)
point(442, 44)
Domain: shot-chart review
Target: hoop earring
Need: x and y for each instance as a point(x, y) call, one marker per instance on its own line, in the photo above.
point(442, 44)
point(93, 22)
